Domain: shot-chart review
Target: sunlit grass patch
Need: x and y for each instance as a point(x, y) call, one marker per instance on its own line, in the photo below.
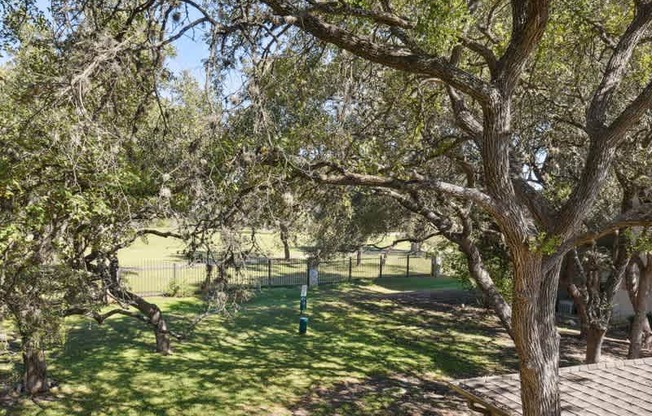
point(257, 363)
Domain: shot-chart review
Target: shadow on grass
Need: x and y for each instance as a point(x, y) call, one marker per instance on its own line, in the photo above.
point(364, 354)
point(390, 395)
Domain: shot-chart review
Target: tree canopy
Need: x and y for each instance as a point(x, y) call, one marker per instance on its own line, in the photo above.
point(522, 121)
point(515, 108)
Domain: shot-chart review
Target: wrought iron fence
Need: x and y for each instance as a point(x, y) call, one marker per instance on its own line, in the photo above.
point(153, 277)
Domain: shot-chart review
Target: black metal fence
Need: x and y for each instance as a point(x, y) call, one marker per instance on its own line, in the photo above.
point(157, 278)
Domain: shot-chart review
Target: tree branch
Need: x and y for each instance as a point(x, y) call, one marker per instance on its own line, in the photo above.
point(357, 179)
point(465, 243)
point(411, 203)
point(529, 20)
point(629, 116)
point(640, 216)
point(340, 8)
point(613, 75)
point(100, 318)
point(466, 120)
point(164, 234)
point(482, 50)
point(182, 31)
point(387, 55)
point(536, 203)
point(403, 240)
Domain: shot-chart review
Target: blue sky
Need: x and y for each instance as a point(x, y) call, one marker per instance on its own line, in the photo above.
point(190, 53)
point(191, 49)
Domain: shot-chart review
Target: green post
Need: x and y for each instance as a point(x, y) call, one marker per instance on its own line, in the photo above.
point(407, 269)
point(303, 325)
point(269, 272)
point(381, 262)
point(303, 320)
point(350, 268)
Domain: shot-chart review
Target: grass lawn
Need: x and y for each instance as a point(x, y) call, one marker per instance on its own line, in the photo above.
point(156, 278)
point(417, 283)
point(160, 249)
point(370, 349)
point(154, 264)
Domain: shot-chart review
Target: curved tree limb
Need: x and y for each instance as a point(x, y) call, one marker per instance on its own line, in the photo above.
point(405, 240)
point(388, 55)
point(614, 73)
point(344, 177)
point(529, 20)
point(640, 216)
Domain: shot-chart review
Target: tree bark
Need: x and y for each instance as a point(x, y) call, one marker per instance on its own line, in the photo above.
point(358, 257)
point(594, 297)
point(160, 330)
point(35, 369)
point(150, 310)
point(535, 334)
point(285, 240)
point(594, 338)
point(640, 322)
point(580, 306)
point(483, 279)
point(415, 247)
point(29, 325)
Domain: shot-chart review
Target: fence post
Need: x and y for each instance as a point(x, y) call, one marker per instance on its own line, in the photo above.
point(380, 263)
point(407, 269)
point(308, 272)
point(269, 272)
point(174, 271)
point(350, 267)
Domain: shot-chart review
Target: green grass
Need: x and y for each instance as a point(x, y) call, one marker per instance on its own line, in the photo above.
point(157, 262)
point(155, 277)
point(160, 249)
point(418, 283)
point(256, 363)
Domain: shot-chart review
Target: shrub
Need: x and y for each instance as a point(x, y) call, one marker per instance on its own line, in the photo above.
point(178, 289)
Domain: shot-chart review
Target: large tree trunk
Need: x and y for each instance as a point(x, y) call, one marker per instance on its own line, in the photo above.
point(160, 330)
point(150, 310)
point(29, 324)
point(535, 334)
point(594, 338)
point(535, 290)
point(640, 323)
point(285, 237)
point(35, 369)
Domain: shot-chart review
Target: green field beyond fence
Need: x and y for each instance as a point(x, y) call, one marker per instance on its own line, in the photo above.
point(156, 277)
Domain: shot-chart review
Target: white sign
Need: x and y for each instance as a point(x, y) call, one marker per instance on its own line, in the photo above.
point(304, 290)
